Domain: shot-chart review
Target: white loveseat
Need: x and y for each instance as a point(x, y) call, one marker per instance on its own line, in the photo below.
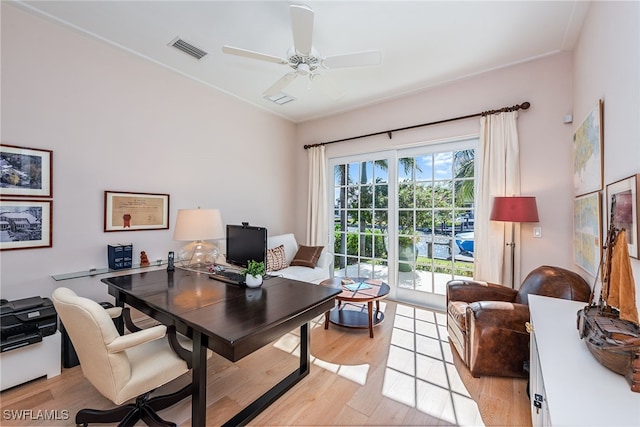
point(321, 272)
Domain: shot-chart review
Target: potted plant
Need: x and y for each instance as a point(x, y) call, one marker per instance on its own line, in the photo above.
point(253, 273)
point(406, 251)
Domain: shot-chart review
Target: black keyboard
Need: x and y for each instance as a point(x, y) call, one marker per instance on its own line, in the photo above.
point(231, 277)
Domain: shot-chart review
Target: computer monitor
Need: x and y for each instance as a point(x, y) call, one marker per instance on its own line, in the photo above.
point(246, 243)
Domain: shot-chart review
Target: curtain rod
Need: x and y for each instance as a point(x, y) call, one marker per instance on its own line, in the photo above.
point(523, 106)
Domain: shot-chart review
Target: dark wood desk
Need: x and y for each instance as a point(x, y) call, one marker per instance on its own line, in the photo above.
point(232, 321)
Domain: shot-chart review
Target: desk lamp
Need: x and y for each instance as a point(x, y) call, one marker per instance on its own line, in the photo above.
point(196, 226)
point(514, 209)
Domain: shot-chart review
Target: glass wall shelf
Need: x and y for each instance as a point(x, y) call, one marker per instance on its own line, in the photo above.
point(99, 271)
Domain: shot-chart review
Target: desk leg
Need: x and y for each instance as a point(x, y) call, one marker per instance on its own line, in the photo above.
point(370, 313)
point(259, 405)
point(305, 344)
point(199, 375)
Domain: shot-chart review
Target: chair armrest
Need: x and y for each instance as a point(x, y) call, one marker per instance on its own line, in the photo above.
point(114, 312)
point(498, 314)
point(497, 338)
point(136, 338)
point(177, 348)
point(471, 291)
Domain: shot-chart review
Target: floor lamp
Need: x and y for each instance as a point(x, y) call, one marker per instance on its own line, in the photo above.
point(514, 209)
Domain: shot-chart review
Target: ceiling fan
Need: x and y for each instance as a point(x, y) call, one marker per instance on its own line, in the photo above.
point(303, 57)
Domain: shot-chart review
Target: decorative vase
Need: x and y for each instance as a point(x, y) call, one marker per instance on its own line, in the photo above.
point(253, 281)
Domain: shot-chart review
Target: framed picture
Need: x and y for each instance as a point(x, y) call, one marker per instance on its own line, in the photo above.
point(25, 172)
point(587, 153)
point(622, 202)
point(25, 224)
point(125, 211)
point(587, 232)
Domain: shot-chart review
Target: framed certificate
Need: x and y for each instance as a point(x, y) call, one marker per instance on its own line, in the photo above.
point(126, 211)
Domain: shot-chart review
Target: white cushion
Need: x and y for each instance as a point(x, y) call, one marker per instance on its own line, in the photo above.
point(289, 243)
point(304, 274)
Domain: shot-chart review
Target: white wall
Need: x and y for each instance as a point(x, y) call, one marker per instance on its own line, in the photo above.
point(117, 122)
point(607, 67)
point(546, 155)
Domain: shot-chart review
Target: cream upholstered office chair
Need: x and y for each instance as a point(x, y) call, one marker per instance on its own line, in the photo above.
point(123, 367)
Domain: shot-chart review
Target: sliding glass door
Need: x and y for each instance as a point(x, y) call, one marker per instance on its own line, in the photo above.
point(406, 217)
point(361, 218)
point(435, 220)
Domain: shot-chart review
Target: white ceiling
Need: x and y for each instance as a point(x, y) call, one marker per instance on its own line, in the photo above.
point(423, 43)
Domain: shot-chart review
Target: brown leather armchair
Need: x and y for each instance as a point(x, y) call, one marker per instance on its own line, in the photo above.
point(486, 322)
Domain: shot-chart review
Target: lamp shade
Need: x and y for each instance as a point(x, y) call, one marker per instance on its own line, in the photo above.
point(514, 209)
point(198, 224)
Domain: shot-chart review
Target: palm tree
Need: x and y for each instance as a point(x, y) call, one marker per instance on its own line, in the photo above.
point(464, 167)
point(340, 172)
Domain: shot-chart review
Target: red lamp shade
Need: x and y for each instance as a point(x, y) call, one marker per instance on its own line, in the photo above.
point(514, 209)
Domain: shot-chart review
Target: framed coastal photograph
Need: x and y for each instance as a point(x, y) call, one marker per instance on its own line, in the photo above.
point(25, 172)
point(25, 224)
point(587, 232)
point(126, 211)
point(622, 203)
point(587, 153)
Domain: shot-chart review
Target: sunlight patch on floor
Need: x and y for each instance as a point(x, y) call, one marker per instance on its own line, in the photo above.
point(356, 373)
point(420, 370)
point(435, 401)
point(290, 343)
point(399, 386)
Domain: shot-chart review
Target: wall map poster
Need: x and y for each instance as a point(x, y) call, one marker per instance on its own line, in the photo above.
point(587, 232)
point(587, 153)
point(135, 211)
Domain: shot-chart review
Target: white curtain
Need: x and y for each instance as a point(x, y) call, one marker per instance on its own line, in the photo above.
point(317, 232)
point(500, 166)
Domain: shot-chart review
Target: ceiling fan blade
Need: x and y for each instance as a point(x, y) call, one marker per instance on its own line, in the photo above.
point(358, 59)
point(329, 86)
point(280, 84)
point(253, 55)
point(302, 25)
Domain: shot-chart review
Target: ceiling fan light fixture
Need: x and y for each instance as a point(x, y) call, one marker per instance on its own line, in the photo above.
point(303, 69)
point(304, 59)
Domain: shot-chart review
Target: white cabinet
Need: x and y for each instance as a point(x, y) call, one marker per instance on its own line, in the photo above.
point(539, 408)
point(575, 389)
point(30, 362)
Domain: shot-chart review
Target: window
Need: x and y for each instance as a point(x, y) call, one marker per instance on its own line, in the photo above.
point(406, 217)
point(361, 218)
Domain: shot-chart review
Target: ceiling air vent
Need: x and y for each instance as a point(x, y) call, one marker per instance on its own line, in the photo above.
point(187, 48)
point(280, 98)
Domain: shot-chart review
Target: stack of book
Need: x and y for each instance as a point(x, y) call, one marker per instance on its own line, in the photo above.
point(120, 256)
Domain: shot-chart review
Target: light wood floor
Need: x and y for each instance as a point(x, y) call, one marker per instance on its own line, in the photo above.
point(406, 375)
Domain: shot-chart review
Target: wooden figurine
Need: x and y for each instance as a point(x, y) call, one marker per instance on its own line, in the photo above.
point(144, 260)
